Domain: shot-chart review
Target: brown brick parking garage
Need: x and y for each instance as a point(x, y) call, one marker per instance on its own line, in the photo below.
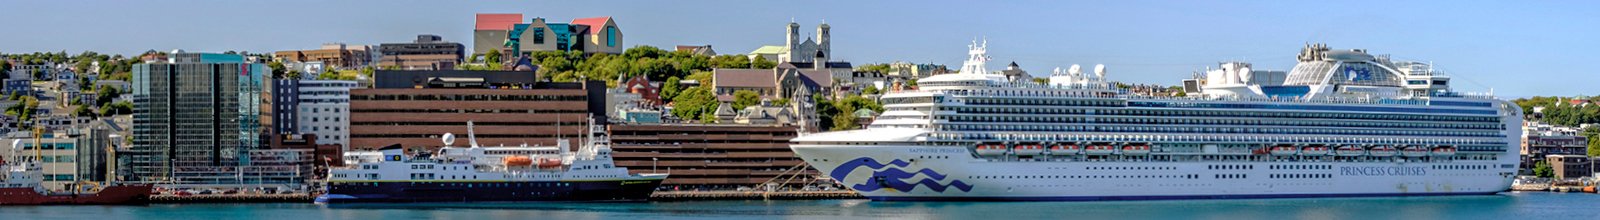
point(412, 109)
point(709, 156)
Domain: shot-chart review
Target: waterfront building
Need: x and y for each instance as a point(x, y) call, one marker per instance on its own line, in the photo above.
point(507, 32)
point(1570, 166)
point(1540, 140)
point(99, 141)
point(323, 109)
point(428, 52)
point(195, 117)
point(334, 55)
point(709, 156)
point(510, 108)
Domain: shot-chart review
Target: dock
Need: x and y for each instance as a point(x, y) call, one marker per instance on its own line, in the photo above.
point(232, 198)
point(752, 195)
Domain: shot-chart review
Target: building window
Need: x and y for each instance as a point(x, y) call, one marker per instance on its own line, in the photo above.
point(538, 35)
point(611, 36)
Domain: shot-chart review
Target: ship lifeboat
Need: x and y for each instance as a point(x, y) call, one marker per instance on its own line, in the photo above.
point(1069, 149)
point(1100, 150)
point(549, 163)
point(1284, 150)
point(1028, 149)
point(1132, 149)
point(1383, 151)
point(1349, 151)
point(1414, 151)
point(518, 161)
point(991, 149)
point(1316, 150)
point(1444, 151)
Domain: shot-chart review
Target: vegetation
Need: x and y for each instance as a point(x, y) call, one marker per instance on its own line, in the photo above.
point(117, 108)
point(870, 90)
point(24, 108)
point(670, 89)
point(880, 68)
point(841, 112)
point(745, 98)
point(654, 62)
point(695, 103)
point(1543, 170)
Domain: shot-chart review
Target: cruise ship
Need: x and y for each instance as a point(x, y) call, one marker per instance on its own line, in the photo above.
point(488, 174)
point(1341, 123)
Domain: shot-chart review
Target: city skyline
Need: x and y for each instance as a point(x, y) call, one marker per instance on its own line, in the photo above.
point(1515, 48)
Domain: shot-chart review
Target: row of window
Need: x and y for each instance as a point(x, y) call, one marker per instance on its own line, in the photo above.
point(1215, 113)
point(1183, 176)
point(448, 97)
point(1464, 144)
point(969, 126)
point(1147, 120)
point(1299, 176)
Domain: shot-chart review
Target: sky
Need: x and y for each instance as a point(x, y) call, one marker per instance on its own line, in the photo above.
point(1515, 48)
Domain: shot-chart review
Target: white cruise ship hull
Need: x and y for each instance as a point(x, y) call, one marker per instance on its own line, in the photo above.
point(889, 172)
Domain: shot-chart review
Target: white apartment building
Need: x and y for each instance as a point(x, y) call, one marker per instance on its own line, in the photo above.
point(325, 110)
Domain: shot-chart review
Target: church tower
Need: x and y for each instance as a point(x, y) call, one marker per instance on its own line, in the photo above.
point(791, 43)
point(823, 41)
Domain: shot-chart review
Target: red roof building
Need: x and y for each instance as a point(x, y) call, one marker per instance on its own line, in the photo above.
point(497, 21)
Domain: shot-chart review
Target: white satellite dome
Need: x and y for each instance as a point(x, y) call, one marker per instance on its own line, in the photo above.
point(449, 139)
point(1100, 71)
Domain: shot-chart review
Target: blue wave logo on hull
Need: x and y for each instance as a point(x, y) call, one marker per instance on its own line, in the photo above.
point(894, 177)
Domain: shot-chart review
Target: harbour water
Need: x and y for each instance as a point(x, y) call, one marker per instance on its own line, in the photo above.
point(1513, 205)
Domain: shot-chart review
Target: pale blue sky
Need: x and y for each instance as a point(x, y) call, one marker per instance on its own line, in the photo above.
point(1520, 48)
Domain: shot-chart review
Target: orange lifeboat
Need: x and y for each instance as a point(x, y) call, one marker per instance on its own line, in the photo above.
point(1444, 151)
point(1132, 149)
point(1028, 149)
point(517, 161)
point(1349, 151)
point(1284, 150)
point(1100, 149)
point(547, 163)
point(991, 149)
point(1315, 150)
point(1069, 149)
point(1414, 151)
point(1383, 151)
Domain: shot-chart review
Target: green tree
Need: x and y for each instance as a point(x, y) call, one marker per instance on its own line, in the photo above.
point(730, 61)
point(279, 71)
point(870, 90)
point(695, 104)
point(105, 94)
point(116, 108)
point(669, 89)
point(781, 102)
point(763, 64)
point(704, 78)
point(1543, 170)
point(493, 56)
point(83, 111)
point(880, 68)
point(745, 98)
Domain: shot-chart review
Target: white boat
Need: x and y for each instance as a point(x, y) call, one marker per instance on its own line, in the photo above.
point(1212, 143)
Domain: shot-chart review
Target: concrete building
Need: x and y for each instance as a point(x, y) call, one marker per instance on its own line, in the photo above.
point(428, 52)
point(97, 145)
point(335, 55)
point(1540, 140)
point(324, 110)
point(507, 32)
point(509, 108)
point(1571, 166)
point(708, 156)
point(195, 117)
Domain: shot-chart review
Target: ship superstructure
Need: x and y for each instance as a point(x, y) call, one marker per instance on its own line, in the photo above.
point(1340, 123)
point(489, 174)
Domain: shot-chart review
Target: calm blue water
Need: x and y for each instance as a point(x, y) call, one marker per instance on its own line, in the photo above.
point(1544, 206)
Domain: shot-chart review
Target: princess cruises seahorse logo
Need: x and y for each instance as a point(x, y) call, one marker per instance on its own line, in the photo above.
point(894, 176)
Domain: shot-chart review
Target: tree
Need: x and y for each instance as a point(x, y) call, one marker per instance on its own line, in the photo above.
point(493, 56)
point(704, 78)
point(669, 89)
point(105, 94)
point(765, 64)
point(24, 109)
point(83, 111)
point(870, 90)
point(730, 61)
point(781, 102)
point(695, 104)
point(880, 68)
point(744, 98)
point(1543, 170)
point(116, 108)
point(279, 71)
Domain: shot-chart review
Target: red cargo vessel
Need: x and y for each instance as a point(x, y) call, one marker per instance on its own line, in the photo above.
point(22, 184)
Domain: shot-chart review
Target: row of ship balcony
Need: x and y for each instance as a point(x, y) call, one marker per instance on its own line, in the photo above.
point(1467, 144)
point(1124, 94)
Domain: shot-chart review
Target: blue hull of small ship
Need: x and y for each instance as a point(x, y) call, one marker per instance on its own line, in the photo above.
point(484, 191)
